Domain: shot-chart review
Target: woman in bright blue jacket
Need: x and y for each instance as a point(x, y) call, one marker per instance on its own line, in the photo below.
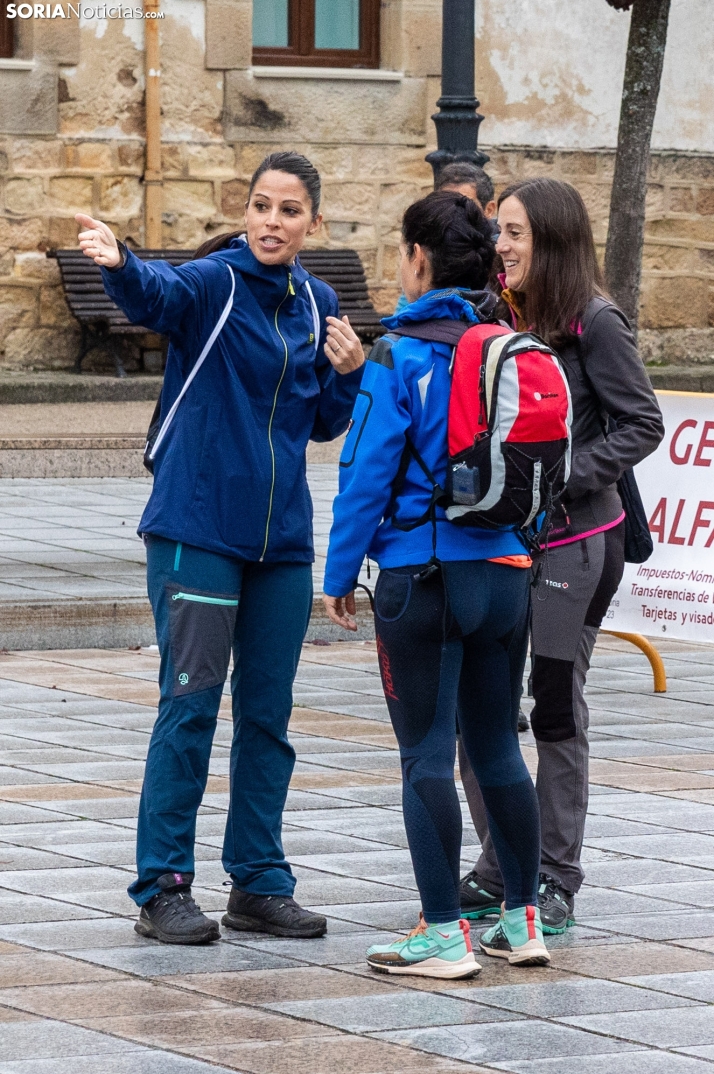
point(228, 532)
point(451, 605)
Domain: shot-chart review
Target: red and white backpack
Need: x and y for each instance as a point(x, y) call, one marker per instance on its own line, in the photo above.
point(509, 427)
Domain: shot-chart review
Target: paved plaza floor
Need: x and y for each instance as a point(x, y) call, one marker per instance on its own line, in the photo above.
point(631, 987)
point(64, 540)
point(69, 551)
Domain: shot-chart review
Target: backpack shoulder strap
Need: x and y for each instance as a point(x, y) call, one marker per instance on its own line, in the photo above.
point(316, 323)
point(199, 362)
point(444, 330)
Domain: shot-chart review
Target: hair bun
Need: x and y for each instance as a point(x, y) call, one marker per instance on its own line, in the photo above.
point(457, 236)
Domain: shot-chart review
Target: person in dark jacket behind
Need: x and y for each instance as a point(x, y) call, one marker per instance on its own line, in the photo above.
point(228, 533)
point(553, 284)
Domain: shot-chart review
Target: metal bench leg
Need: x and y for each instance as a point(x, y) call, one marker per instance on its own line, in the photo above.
point(656, 662)
point(120, 370)
point(84, 347)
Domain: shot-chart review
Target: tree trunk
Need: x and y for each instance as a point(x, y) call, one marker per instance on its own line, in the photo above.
point(643, 75)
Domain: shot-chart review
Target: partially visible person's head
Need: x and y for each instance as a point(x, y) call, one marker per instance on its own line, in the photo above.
point(283, 208)
point(461, 177)
point(548, 252)
point(446, 242)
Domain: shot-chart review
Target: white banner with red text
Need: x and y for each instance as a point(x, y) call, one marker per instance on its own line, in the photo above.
point(672, 594)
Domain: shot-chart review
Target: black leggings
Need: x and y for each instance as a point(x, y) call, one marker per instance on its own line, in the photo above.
point(457, 641)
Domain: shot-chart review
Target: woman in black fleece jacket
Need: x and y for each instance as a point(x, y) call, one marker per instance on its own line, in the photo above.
point(552, 283)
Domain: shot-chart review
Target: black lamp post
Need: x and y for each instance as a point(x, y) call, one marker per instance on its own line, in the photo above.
point(457, 121)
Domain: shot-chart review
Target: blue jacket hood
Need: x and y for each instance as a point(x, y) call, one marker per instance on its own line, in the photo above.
point(453, 303)
point(266, 282)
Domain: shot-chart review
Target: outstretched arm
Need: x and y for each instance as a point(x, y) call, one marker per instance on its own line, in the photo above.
point(98, 242)
point(159, 296)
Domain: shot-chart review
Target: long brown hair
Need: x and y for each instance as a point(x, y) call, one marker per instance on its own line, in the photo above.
point(564, 274)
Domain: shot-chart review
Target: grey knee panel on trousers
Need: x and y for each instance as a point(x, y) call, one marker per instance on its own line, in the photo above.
point(562, 645)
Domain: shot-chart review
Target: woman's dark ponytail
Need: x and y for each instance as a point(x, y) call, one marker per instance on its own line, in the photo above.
point(457, 236)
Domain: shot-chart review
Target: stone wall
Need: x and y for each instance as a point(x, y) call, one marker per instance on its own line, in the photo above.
point(368, 135)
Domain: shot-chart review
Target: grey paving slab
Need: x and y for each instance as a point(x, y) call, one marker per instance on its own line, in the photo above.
point(92, 771)
point(366, 865)
point(498, 1042)
point(298, 843)
point(138, 1061)
point(694, 893)
point(667, 925)
point(584, 936)
point(334, 891)
point(55, 832)
point(689, 818)
point(645, 1061)
point(310, 800)
point(706, 1051)
point(402, 1010)
point(399, 915)
point(16, 909)
point(72, 936)
point(36, 759)
point(21, 813)
point(576, 996)
point(385, 795)
point(600, 902)
point(152, 959)
point(600, 827)
point(49, 1039)
point(677, 1027)
point(668, 847)
point(62, 881)
point(698, 985)
point(13, 777)
point(120, 852)
point(14, 857)
point(626, 871)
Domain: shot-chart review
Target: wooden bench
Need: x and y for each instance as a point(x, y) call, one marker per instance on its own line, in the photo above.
point(100, 319)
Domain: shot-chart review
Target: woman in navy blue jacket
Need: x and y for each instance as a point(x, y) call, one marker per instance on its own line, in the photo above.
point(228, 532)
point(451, 606)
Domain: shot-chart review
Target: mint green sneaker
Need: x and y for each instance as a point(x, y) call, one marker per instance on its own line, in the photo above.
point(428, 951)
point(517, 936)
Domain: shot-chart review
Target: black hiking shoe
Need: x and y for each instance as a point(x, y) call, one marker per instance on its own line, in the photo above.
point(173, 917)
point(279, 915)
point(556, 905)
point(523, 722)
point(476, 900)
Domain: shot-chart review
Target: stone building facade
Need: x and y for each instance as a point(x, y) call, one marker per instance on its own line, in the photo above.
point(72, 127)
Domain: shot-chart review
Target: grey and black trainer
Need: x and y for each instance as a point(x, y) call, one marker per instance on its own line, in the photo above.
point(523, 722)
point(279, 915)
point(556, 905)
point(476, 899)
point(172, 916)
